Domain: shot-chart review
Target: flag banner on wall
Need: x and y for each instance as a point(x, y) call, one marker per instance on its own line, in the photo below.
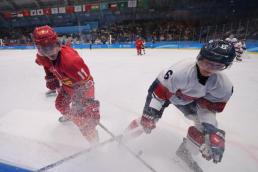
point(94, 7)
point(122, 5)
point(61, 10)
point(47, 11)
point(26, 13)
point(54, 10)
point(132, 3)
point(112, 6)
point(33, 12)
point(143, 4)
point(69, 9)
point(19, 14)
point(7, 14)
point(77, 8)
point(40, 12)
point(14, 14)
point(104, 6)
point(87, 7)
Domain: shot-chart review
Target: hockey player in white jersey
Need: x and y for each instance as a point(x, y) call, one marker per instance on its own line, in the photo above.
point(199, 89)
point(231, 39)
point(239, 47)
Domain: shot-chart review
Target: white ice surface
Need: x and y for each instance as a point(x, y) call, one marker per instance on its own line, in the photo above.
point(31, 137)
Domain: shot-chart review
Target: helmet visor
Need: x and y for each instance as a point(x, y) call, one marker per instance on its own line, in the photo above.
point(49, 51)
point(210, 65)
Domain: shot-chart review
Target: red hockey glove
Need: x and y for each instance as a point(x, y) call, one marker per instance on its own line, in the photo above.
point(148, 123)
point(214, 147)
point(211, 145)
point(51, 82)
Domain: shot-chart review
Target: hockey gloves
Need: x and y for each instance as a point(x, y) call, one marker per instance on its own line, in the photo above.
point(51, 82)
point(211, 145)
point(148, 123)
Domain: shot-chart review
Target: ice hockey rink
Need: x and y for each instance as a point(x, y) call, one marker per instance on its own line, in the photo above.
point(31, 137)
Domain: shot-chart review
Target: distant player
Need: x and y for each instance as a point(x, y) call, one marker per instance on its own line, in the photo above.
point(143, 46)
point(231, 39)
point(239, 50)
point(200, 90)
point(139, 45)
point(238, 46)
point(64, 66)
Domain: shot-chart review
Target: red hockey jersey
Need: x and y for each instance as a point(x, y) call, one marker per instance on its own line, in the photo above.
point(139, 43)
point(69, 68)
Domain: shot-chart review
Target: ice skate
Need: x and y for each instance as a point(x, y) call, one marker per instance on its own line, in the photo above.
point(63, 119)
point(184, 154)
point(50, 93)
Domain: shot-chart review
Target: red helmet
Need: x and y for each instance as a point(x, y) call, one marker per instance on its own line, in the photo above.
point(44, 35)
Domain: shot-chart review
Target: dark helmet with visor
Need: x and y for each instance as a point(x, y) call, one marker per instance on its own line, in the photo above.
point(218, 51)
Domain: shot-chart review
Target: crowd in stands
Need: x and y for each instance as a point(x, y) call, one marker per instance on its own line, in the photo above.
point(153, 31)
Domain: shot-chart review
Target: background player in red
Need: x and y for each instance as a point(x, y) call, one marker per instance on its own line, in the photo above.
point(64, 66)
point(139, 45)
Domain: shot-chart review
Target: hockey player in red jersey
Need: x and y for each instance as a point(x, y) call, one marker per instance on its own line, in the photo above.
point(139, 45)
point(199, 89)
point(66, 71)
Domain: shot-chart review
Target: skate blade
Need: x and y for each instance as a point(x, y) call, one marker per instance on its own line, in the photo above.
point(62, 119)
point(184, 166)
point(50, 94)
point(177, 161)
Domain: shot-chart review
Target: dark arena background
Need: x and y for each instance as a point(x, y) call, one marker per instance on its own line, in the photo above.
point(117, 23)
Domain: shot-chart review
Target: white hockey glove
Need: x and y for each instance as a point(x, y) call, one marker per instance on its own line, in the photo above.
point(148, 123)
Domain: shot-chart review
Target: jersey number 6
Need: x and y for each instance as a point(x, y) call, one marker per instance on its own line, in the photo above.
point(168, 74)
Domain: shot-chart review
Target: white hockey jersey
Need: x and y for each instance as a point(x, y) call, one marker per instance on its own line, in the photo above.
point(183, 86)
point(232, 40)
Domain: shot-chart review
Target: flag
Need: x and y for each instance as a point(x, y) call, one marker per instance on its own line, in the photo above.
point(122, 5)
point(7, 14)
point(26, 13)
point(54, 10)
point(69, 9)
point(87, 7)
point(77, 8)
point(104, 6)
point(47, 11)
point(94, 7)
point(132, 3)
point(33, 12)
point(19, 14)
point(112, 6)
point(61, 10)
point(40, 12)
point(14, 14)
point(143, 4)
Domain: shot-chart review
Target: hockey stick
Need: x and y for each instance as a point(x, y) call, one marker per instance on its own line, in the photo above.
point(127, 148)
point(78, 154)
